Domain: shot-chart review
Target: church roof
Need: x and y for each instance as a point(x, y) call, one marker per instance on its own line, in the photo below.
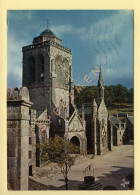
point(115, 120)
point(131, 119)
point(87, 109)
point(47, 32)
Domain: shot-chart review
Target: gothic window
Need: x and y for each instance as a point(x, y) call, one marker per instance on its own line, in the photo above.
point(40, 64)
point(58, 63)
point(65, 63)
point(66, 68)
point(62, 71)
point(31, 68)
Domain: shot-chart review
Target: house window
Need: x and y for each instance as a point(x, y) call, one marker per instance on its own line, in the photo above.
point(30, 154)
point(30, 140)
point(120, 140)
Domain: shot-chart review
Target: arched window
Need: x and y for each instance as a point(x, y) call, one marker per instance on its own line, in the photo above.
point(58, 62)
point(66, 63)
point(31, 68)
point(40, 64)
point(66, 72)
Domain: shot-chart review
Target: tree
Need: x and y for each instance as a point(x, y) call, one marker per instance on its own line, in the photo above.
point(61, 153)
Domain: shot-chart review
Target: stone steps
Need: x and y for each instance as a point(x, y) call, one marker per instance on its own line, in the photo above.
point(90, 186)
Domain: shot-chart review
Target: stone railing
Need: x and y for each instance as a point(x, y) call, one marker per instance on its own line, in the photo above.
point(46, 43)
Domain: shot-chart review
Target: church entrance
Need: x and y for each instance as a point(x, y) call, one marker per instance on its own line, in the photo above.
point(75, 141)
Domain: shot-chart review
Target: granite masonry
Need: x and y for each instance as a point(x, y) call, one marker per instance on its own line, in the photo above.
point(47, 98)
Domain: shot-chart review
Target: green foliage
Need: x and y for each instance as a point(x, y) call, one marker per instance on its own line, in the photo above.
point(58, 150)
point(61, 153)
point(113, 94)
point(86, 95)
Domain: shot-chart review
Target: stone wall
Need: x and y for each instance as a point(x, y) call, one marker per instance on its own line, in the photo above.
point(17, 138)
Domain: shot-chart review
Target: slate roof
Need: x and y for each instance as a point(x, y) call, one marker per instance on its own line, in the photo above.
point(115, 120)
point(47, 32)
point(131, 119)
point(87, 109)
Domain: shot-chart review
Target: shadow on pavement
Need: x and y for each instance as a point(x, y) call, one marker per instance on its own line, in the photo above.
point(109, 181)
point(115, 178)
point(35, 185)
point(72, 185)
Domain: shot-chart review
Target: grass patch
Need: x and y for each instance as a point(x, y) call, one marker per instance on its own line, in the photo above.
point(121, 108)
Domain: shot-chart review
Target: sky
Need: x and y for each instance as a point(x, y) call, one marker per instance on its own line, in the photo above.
point(96, 37)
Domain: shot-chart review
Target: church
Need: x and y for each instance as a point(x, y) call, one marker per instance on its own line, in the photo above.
point(47, 97)
point(47, 73)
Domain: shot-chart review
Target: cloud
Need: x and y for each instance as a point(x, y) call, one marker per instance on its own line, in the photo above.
point(19, 15)
point(61, 29)
point(14, 59)
point(117, 20)
point(96, 37)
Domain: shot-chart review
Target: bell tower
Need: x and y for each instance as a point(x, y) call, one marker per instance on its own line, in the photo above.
point(47, 71)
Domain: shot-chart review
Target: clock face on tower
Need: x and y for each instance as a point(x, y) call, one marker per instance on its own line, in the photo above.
point(42, 75)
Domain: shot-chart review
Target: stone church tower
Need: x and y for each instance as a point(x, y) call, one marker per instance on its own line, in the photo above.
point(47, 73)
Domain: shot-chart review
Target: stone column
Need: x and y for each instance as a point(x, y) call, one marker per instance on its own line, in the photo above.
point(101, 144)
point(85, 137)
point(99, 138)
point(85, 145)
point(95, 137)
point(83, 112)
point(17, 138)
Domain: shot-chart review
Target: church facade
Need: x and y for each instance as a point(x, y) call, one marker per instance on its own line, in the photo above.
point(49, 87)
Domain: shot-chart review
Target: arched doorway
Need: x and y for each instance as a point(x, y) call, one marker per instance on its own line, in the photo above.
point(75, 141)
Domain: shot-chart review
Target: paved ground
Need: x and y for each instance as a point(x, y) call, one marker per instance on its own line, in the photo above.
point(109, 170)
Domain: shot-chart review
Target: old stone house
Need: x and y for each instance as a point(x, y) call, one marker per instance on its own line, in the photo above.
point(118, 130)
point(129, 132)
